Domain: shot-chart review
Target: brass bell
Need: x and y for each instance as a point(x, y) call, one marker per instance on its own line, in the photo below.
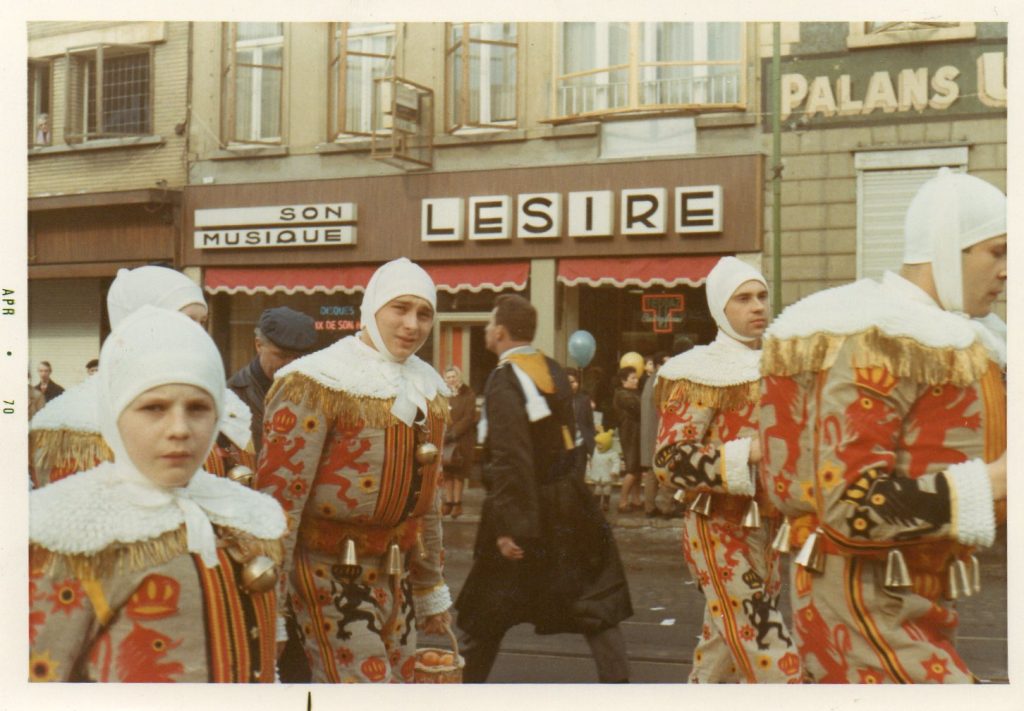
point(702, 504)
point(781, 542)
point(896, 573)
point(426, 453)
point(952, 583)
point(975, 574)
point(394, 560)
point(811, 557)
point(241, 474)
point(259, 574)
point(964, 578)
point(679, 496)
point(752, 518)
point(348, 568)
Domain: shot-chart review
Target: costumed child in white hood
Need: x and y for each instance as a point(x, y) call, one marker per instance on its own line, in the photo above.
point(883, 417)
point(64, 437)
point(351, 450)
point(604, 467)
point(708, 448)
point(148, 568)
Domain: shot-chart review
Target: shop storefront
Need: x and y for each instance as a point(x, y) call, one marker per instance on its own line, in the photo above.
point(76, 244)
point(619, 248)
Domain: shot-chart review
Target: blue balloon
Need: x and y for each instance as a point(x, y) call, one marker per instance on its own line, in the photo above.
point(582, 347)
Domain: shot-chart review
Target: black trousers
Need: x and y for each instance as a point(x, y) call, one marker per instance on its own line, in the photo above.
point(608, 648)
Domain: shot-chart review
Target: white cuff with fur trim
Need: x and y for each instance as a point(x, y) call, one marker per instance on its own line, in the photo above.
point(973, 514)
point(432, 601)
point(736, 467)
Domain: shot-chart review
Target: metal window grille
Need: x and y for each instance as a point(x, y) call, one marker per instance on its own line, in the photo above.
point(126, 94)
point(108, 93)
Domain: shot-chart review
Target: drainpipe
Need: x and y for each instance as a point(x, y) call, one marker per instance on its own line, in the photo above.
point(776, 170)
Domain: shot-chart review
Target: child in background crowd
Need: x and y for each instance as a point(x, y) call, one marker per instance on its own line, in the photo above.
point(605, 466)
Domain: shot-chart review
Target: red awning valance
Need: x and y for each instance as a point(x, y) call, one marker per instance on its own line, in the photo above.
point(638, 271)
point(477, 276)
point(465, 276)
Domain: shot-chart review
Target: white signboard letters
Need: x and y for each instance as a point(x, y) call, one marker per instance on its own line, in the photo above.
point(276, 226)
point(642, 212)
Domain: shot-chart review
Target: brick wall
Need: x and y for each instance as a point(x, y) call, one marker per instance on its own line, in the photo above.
point(81, 169)
point(819, 191)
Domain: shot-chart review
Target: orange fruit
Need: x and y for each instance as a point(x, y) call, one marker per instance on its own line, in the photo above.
point(430, 659)
point(446, 660)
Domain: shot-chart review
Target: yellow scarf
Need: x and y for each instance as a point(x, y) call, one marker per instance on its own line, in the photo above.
point(536, 366)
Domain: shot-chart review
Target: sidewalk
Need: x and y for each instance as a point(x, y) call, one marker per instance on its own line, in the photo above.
point(473, 499)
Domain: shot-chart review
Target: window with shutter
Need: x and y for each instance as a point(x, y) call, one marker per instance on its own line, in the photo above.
point(886, 183)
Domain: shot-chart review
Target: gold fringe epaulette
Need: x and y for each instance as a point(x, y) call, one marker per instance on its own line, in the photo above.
point(129, 557)
point(729, 397)
point(62, 449)
point(346, 407)
point(902, 356)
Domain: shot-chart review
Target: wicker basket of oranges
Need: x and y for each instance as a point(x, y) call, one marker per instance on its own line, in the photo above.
point(439, 666)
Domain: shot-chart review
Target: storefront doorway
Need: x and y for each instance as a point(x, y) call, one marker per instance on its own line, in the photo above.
point(460, 342)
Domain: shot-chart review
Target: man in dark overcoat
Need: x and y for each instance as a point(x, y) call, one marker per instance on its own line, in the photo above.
point(282, 335)
point(544, 553)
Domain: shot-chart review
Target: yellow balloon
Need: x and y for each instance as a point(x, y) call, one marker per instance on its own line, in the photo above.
point(633, 360)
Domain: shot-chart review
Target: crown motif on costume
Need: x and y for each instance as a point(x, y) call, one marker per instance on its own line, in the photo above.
point(156, 597)
point(876, 378)
point(284, 420)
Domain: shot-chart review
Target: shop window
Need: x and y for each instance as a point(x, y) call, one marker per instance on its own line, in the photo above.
point(617, 67)
point(109, 92)
point(360, 53)
point(881, 34)
point(619, 322)
point(40, 124)
point(482, 75)
point(253, 78)
point(886, 183)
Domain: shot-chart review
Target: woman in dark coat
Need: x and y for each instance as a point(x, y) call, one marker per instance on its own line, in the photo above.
point(585, 430)
point(627, 411)
point(462, 434)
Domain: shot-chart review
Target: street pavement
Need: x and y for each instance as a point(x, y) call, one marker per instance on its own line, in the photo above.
point(668, 609)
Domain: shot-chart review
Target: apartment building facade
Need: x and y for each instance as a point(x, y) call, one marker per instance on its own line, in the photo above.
point(107, 155)
point(599, 168)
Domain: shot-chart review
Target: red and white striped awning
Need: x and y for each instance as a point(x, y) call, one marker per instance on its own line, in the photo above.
point(350, 279)
point(637, 271)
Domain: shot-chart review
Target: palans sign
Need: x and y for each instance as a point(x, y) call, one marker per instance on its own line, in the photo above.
point(860, 92)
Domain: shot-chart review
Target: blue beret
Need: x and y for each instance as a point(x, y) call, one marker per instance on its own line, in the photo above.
point(287, 328)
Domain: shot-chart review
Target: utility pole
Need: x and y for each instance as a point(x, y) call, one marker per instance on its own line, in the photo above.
point(776, 169)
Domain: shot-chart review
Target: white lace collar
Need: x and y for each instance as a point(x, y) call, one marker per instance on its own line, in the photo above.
point(724, 362)
point(74, 409)
point(894, 306)
point(94, 509)
point(353, 367)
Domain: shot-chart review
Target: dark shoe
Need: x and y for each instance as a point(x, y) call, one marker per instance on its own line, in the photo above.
point(456, 509)
point(446, 508)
